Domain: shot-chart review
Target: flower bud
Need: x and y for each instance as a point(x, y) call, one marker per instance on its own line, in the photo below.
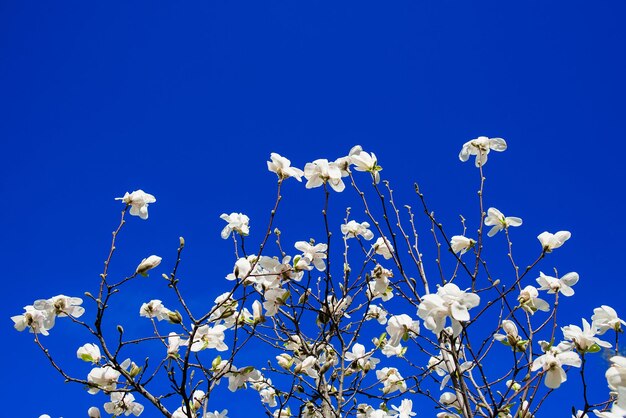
point(174, 317)
point(93, 412)
point(148, 264)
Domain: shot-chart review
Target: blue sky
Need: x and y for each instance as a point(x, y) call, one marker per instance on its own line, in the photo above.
point(187, 100)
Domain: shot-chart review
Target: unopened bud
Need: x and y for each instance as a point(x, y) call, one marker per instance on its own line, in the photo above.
point(181, 240)
point(174, 317)
point(93, 412)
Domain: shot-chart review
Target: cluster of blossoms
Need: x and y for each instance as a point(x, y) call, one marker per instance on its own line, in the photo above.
point(333, 367)
point(40, 317)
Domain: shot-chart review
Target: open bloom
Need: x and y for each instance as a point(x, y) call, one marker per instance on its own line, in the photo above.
point(550, 241)
point(480, 147)
point(405, 410)
point(282, 167)
point(449, 301)
point(321, 171)
point(552, 363)
point(154, 309)
point(363, 361)
point(138, 201)
point(39, 322)
point(237, 222)
point(148, 264)
point(353, 229)
point(498, 221)
point(529, 300)
point(364, 161)
point(383, 247)
point(562, 285)
point(461, 244)
point(315, 253)
point(605, 318)
point(584, 339)
point(400, 327)
point(123, 403)
point(391, 379)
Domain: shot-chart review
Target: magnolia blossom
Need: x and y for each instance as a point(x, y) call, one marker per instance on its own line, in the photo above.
point(321, 171)
point(37, 321)
point(445, 366)
point(148, 264)
point(584, 339)
point(282, 167)
point(237, 222)
point(123, 403)
point(511, 336)
point(480, 147)
point(89, 352)
point(562, 285)
point(274, 299)
point(615, 412)
point(461, 244)
point(363, 360)
point(138, 201)
point(529, 300)
point(215, 414)
point(364, 161)
point(391, 379)
point(207, 337)
point(552, 363)
point(93, 412)
point(550, 241)
point(353, 229)
point(315, 253)
point(173, 344)
point(378, 313)
point(105, 378)
point(154, 309)
point(61, 305)
point(605, 318)
point(499, 222)
point(449, 301)
point(383, 247)
point(307, 366)
point(400, 327)
point(616, 374)
point(405, 410)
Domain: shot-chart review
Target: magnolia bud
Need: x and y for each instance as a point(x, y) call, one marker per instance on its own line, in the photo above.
point(148, 264)
point(93, 412)
point(174, 317)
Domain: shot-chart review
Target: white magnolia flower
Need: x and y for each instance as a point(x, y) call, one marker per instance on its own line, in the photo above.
point(480, 147)
point(562, 285)
point(282, 167)
point(321, 171)
point(364, 361)
point(215, 414)
point(550, 241)
point(616, 374)
point(89, 352)
point(123, 403)
point(405, 410)
point(615, 412)
point(274, 299)
point(173, 344)
point(552, 363)
point(148, 264)
point(530, 301)
point(138, 201)
point(93, 412)
point(307, 366)
point(605, 318)
point(60, 306)
point(511, 336)
point(104, 378)
point(499, 222)
point(285, 361)
point(38, 322)
point(391, 379)
point(315, 253)
point(367, 162)
point(445, 366)
point(584, 338)
point(401, 327)
point(353, 229)
point(378, 313)
point(461, 244)
point(449, 301)
point(207, 337)
point(154, 309)
point(383, 247)
point(237, 222)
